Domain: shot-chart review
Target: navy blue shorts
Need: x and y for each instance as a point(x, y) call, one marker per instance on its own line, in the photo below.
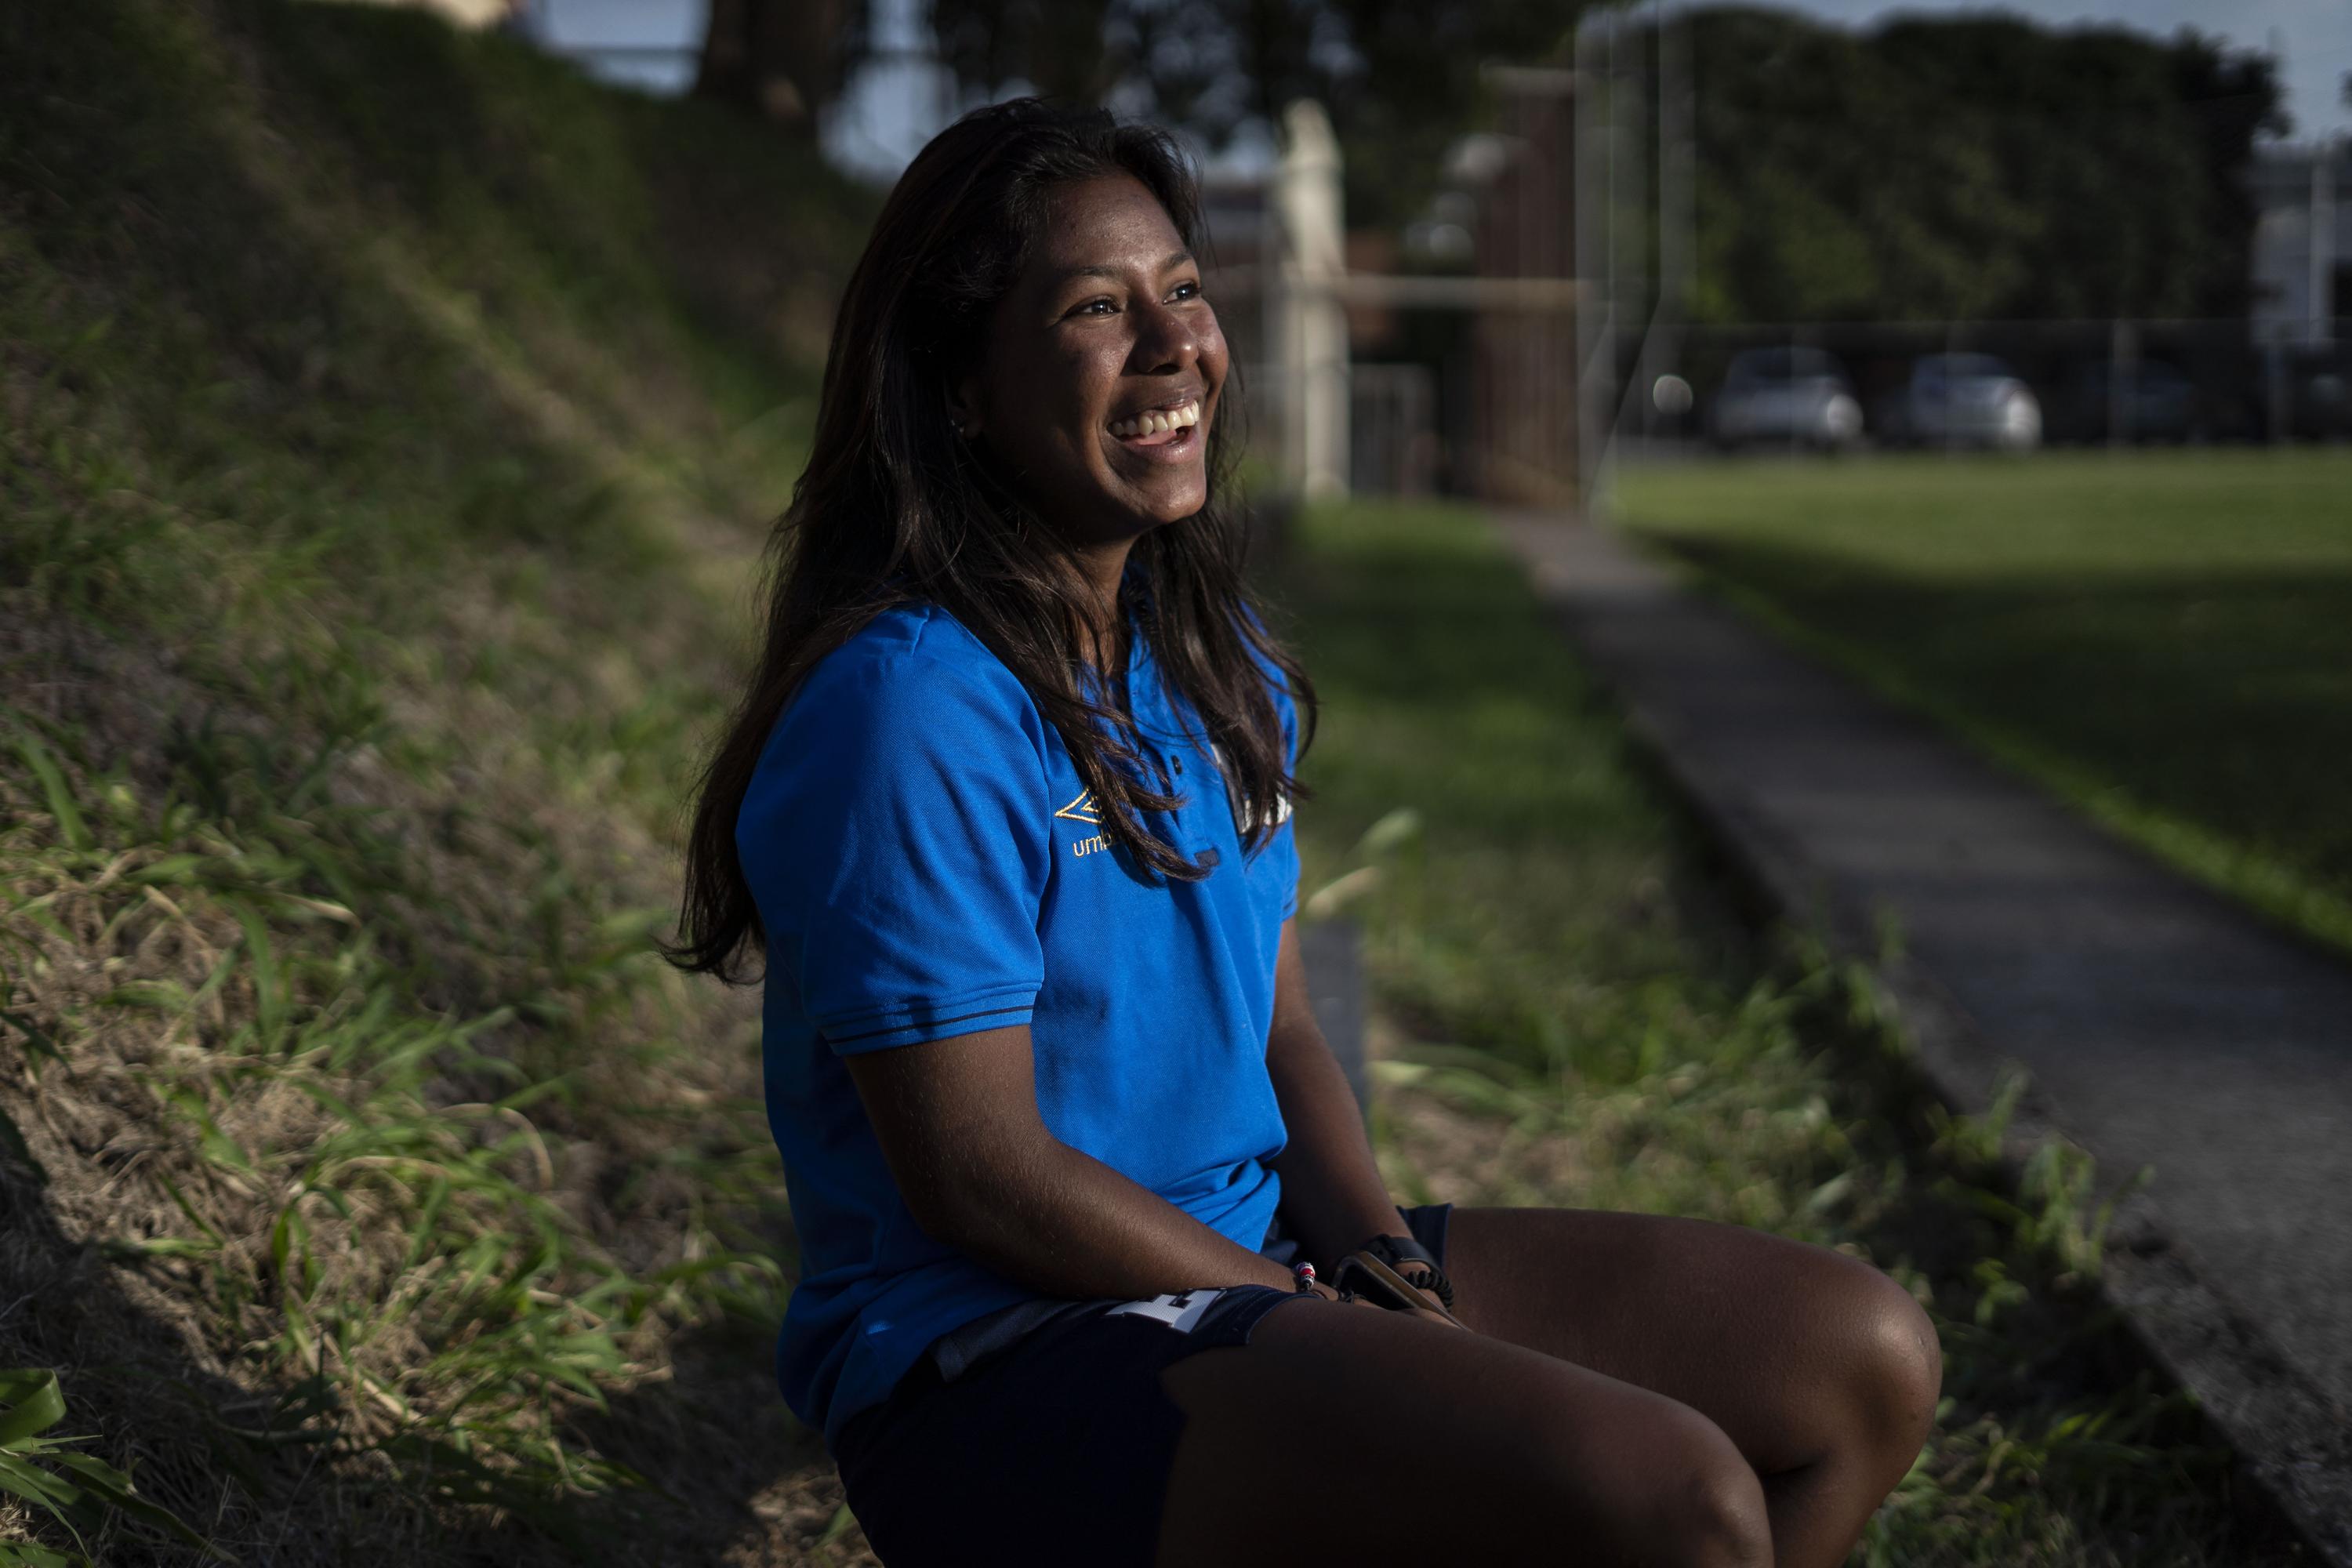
point(1043, 1437)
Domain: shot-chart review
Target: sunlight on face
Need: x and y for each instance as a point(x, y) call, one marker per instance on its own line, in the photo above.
point(1103, 368)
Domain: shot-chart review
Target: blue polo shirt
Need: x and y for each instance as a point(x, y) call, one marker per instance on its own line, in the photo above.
point(928, 863)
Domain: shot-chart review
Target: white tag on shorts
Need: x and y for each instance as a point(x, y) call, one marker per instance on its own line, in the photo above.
point(1180, 1312)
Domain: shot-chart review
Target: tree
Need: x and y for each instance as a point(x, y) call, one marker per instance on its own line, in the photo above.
point(785, 59)
point(1400, 77)
point(1055, 46)
point(1971, 167)
point(1941, 168)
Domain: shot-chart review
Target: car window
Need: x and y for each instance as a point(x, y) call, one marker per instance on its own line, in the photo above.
point(1958, 367)
point(1760, 364)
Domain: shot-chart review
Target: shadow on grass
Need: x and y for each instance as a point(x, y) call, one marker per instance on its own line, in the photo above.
point(734, 1477)
point(235, 1463)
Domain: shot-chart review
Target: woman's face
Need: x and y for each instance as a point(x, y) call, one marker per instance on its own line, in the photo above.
point(1102, 369)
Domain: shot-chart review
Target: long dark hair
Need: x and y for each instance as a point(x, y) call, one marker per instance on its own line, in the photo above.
point(895, 508)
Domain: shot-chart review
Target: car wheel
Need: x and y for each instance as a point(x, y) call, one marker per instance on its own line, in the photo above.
point(2021, 422)
point(1840, 423)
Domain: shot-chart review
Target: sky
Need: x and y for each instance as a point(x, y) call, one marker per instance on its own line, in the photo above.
point(894, 106)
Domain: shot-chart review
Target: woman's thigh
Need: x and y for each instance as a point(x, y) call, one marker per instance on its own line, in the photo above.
point(1792, 1350)
point(1345, 1434)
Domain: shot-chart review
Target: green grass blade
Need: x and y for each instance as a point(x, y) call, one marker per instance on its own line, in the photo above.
point(12, 1141)
point(114, 1490)
point(70, 826)
point(34, 1404)
point(270, 998)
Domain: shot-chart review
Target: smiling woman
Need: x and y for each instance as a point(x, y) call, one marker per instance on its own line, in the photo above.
point(1007, 810)
point(1103, 368)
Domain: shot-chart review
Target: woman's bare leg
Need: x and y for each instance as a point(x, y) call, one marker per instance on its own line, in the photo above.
point(1631, 1379)
point(1342, 1434)
point(1820, 1368)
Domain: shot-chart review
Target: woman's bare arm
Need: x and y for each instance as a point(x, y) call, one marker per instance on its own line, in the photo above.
point(959, 1125)
point(1332, 1194)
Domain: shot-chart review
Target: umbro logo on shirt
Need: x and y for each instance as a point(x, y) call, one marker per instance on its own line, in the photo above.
point(1083, 810)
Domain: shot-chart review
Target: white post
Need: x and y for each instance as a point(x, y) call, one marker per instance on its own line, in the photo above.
point(2123, 381)
point(1313, 345)
point(1591, 389)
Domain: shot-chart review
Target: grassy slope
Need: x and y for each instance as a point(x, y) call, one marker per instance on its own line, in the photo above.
point(1555, 962)
point(387, 422)
point(2166, 638)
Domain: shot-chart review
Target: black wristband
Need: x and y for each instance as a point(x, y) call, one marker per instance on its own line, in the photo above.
point(1398, 1250)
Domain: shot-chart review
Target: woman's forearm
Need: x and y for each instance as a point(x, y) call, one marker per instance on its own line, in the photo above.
point(1062, 1223)
point(1332, 1194)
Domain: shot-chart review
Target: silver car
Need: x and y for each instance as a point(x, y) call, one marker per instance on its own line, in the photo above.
point(1964, 400)
point(1789, 397)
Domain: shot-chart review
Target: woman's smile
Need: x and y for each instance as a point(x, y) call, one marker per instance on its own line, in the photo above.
point(1169, 432)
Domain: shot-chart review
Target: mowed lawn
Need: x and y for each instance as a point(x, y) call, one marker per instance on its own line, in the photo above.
point(2165, 639)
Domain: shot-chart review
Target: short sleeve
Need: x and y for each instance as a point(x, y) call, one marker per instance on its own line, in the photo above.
point(896, 838)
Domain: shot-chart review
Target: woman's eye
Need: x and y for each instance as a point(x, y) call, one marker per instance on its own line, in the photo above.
point(1186, 292)
point(1095, 308)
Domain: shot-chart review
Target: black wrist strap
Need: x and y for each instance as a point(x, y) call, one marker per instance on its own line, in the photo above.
point(1398, 1250)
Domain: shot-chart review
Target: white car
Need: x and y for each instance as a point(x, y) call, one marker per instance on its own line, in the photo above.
point(1964, 400)
point(1787, 397)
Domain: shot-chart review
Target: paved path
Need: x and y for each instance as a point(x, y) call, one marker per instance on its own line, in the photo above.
point(2160, 1025)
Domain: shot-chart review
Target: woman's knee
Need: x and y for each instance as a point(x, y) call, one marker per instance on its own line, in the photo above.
point(1717, 1518)
point(1674, 1489)
point(1896, 1362)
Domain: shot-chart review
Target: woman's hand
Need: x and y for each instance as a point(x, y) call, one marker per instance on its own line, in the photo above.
point(1425, 1313)
point(1327, 1293)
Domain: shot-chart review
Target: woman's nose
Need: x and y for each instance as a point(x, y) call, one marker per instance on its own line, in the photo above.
point(1165, 340)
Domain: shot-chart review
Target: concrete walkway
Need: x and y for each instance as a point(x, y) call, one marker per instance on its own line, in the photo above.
point(2160, 1025)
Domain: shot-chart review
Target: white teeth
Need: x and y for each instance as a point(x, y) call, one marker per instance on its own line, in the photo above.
point(1157, 422)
